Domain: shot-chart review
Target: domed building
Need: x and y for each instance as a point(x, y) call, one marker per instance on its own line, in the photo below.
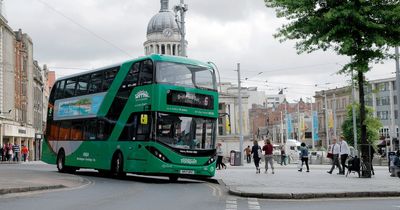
point(163, 35)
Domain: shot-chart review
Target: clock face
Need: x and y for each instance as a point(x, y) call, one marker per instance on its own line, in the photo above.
point(168, 32)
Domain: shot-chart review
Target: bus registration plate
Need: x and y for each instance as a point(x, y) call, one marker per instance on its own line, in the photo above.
point(186, 171)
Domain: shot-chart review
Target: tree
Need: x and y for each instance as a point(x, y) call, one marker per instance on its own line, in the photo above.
point(364, 30)
point(373, 124)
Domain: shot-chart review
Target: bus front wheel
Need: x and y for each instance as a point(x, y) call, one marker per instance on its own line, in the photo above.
point(61, 162)
point(117, 167)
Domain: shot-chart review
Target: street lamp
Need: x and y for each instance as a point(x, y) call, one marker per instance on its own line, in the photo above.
point(312, 122)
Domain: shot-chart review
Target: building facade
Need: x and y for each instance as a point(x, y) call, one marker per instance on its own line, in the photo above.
point(332, 112)
point(21, 84)
point(381, 96)
point(163, 36)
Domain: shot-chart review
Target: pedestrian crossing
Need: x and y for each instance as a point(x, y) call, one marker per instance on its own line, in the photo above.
point(232, 203)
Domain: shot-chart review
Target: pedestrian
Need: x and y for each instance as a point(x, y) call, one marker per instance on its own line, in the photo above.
point(283, 155)
point(344, 152)
point(248, 153)
point(256, 151)
point(220, 155)
point(16, 150)
point(269, 158)
point(372, 154)
point(24, 152)
point(335, 157)
point(9, 151)
point(395, 165)
point(1, 153)
point(304, 156)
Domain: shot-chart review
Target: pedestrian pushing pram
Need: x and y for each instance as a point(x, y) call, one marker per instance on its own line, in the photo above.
point(353, 165)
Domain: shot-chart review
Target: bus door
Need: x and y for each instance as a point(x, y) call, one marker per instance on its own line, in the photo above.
point(137, 130)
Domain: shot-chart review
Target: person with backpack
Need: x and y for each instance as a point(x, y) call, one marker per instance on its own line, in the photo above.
point(269, 157)
point(256, 151)
point(304, 157)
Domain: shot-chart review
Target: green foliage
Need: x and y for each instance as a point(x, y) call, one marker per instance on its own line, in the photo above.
point(373, 126)
point(361, 29)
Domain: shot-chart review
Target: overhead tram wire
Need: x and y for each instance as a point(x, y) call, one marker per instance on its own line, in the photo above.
point(86, 29)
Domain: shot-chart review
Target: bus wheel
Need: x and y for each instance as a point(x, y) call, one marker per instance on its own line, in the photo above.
point(61, 162)
point(173, 178)
point(118, 166)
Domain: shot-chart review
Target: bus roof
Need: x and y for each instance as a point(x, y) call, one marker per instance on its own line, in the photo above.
point(154, 57)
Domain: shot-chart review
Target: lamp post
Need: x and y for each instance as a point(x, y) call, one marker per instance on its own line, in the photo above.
point(397, 84)
point(240, 115)
point(312, 122)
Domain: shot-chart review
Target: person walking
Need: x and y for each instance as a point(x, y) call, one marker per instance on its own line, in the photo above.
point(9, 152)
point(248, 154)
point(304, 156)
point(335, 157)
point(24, 152)
point(1, 153)
point(344, 153)
point(283, 155)
point(16, 151)
point(395, 165)
point(220, 155)
point(269, 158)
point(256, 151)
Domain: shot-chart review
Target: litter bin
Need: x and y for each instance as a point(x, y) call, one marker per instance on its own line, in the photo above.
point(235, 158)
point(390, 159)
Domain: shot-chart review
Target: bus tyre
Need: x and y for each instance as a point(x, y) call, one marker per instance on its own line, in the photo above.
point(117, 167)
point(61, 162)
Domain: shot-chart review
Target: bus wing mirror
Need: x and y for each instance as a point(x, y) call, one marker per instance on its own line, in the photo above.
point(144, 119)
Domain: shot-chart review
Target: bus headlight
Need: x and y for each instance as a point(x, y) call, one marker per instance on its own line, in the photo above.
point(158, 154)
point(211, 160)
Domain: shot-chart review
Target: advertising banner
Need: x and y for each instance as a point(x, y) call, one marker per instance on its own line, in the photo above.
point(315, 125)
point(78, 107)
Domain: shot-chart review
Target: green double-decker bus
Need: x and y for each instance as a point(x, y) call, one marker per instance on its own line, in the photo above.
point(155, 115)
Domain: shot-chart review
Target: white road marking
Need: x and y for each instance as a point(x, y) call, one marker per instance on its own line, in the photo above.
point(253, 203)
point(231, 203)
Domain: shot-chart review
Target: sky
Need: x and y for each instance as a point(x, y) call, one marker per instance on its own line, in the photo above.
point(78, 35)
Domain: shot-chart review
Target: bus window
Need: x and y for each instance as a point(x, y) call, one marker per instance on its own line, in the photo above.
point(69, 90)
point(103, 129)
point(96, 81)
point(60, 89)
point(52, 97)
point(76, 130)
point(131, 79)
point(90, 130)
point(129, 129)
point(146, 73)
point(82, 86)
point(53, 131)
point(65, 130)
point(143, 130)
point(109, 78)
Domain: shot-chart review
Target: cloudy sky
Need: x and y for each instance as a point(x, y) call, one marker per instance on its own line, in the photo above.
point(78, 35)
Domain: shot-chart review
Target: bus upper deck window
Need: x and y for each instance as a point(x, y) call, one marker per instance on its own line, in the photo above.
point(146, 73)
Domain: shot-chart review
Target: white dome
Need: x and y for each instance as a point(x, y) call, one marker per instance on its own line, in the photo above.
point(162, 21)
